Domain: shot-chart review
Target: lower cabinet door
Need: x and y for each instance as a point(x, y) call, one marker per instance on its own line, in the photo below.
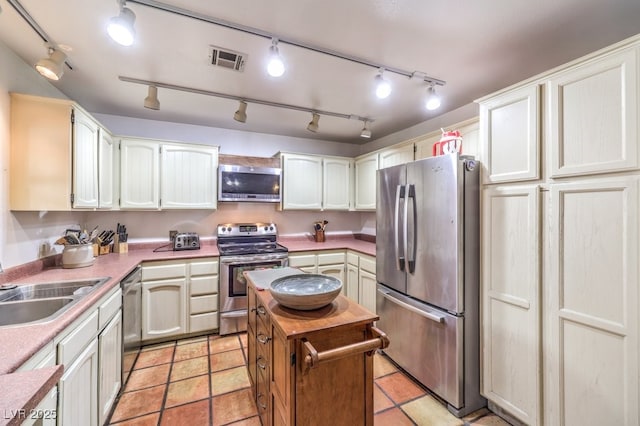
point(164, 308)
point(78, 390)
point(110, 366)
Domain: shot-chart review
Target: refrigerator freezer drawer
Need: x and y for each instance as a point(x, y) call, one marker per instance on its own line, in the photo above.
point(425, 342)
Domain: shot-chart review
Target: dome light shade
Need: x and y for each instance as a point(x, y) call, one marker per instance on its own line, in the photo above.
point(241, 113)
point(275, 68)
point(53, 66)
point(121, 29)
point(151, 101)
point(313, 124)
point(383, 88)
point(433, 100)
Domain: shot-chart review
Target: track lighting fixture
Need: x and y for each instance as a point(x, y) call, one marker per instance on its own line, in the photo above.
point(120, 27)
point(275, 68)
point(241, 113)
point(365, 133)
point(52, 67)
point(151, 101)
point(383, 88)
point(433, 100)
point(313, 124)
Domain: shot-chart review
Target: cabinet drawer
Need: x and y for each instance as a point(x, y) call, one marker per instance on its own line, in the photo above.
point(71, 346)
point(368, 264)
point(202, 322)
point(163, 270)
point(109, 308)
point(203, 285)
point(297, 261)
point(202, 304)
point(330, 258)
point(352, 258)
point(209, 267)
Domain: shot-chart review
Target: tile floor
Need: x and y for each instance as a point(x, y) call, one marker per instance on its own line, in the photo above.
point(204, 381)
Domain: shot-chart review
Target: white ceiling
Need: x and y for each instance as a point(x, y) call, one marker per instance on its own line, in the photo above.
point(476, 46)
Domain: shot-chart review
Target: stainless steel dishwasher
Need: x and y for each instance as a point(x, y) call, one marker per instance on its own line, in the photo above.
point(131, 320)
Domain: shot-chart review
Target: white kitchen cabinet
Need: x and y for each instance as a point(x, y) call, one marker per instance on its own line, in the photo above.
point(203, 295)
point(565, 269)
point(54, 155)
point(139, 174)
point(365, 182)
point(510, 296)
point(164, 308)
point(189, 176)
point(85, 160)
point(79, 390)
point(301, 182)
point(109, 366)
point(325, 262)
point(336, 183)
point(312, 182)
point(593, 116)
point(367, 282)
point(510, 129)
point(591, 346)
point(106, 170)
point(184, 176)
point(45, 412)
point(396, 155)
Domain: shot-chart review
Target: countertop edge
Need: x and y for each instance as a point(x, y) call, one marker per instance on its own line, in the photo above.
point(22, 392)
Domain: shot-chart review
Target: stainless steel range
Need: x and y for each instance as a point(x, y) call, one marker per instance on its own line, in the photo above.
point(244, 247)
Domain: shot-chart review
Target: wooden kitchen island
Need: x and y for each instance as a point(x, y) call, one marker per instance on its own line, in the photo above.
point(310, 367)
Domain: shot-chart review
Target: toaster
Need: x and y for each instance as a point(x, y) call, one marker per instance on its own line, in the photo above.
point(186, 241)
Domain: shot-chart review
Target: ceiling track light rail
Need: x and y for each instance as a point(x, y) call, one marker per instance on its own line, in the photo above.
point(283, 40)
point(19, 8)
point(246, 100)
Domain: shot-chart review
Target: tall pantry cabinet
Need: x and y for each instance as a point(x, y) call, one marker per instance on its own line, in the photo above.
point(560, 234)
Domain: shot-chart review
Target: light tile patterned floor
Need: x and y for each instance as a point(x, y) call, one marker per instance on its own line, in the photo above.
point(204, 381)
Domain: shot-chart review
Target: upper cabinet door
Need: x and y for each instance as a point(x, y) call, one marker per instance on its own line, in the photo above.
point(189, 177)
point(593, 116)
point(394, 156)
point(365, 170)
point(85, 160)
point(139, 174)
point(302, 182)
point(336, 183)
point(510, 125)
point(106, 157)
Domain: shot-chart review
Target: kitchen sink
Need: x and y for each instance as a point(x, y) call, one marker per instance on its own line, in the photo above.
point(34, 303)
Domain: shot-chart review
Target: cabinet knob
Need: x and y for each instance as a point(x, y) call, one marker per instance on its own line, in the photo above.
point(263, 365)
point(261, 310)
point(261, 404)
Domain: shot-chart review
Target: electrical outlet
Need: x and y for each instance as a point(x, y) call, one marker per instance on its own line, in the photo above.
point(172, 235)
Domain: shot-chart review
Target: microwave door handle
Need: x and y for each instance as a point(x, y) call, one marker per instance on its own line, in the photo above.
point(396, 229)
point(410, 251)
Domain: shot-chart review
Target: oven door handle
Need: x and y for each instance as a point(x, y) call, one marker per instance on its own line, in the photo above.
point(253, 258)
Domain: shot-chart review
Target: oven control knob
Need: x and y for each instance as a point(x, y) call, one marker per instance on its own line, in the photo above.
point(266, 228)
point(271, 228)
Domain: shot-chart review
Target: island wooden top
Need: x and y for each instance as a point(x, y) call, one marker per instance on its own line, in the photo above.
point(294, 323)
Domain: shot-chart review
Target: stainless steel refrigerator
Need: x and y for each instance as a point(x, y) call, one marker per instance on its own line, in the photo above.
point(427, 268)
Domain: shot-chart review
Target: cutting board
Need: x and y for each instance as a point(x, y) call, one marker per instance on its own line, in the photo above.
point(262, 278)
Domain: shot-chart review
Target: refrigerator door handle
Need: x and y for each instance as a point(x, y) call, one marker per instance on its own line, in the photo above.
point(399, 257)
point(428, 315)
point(410, 254)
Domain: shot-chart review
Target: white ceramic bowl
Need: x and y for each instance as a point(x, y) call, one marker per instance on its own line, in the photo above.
point(305, 292)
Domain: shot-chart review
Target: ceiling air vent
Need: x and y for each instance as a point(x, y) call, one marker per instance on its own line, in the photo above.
point(226, 58)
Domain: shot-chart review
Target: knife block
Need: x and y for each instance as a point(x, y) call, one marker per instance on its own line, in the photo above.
point(119, 247)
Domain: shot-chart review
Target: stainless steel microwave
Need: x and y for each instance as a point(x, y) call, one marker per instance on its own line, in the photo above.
point(245, 183)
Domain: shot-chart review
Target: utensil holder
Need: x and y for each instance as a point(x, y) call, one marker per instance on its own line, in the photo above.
point(319, 236)
point(105, 249)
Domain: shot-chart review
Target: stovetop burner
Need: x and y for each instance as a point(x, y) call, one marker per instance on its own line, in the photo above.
point(248, 238)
